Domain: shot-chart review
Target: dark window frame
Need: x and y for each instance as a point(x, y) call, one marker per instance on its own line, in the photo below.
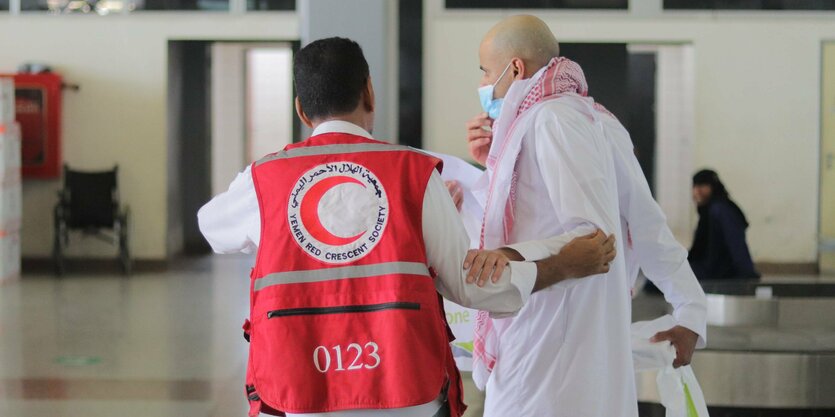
point(283, 6)
point(40, 6)
point(617, 5)
point(749, 5)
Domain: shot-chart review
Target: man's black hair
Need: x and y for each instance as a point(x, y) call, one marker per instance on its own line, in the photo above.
point(330, 76)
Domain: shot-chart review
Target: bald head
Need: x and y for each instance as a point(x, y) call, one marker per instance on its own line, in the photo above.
point(523, 36)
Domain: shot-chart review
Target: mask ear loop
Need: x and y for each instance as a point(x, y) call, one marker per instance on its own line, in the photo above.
point(503, 73)
point(488, 128)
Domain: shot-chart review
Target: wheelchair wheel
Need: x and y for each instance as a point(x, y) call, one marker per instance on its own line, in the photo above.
point(124, 248)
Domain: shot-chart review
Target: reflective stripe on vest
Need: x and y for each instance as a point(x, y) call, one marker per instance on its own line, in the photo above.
point(334, 149)
point(343, 272)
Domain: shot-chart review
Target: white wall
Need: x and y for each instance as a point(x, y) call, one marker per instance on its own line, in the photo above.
point(119, 116)
point(228, 118)
point(757, 101)
point(269, 100)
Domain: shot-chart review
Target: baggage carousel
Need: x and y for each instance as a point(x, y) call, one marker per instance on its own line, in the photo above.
point(770, 351)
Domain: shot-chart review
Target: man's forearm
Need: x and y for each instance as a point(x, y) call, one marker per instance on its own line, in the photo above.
point(512, 254)
point(548, 273)
point(582, 257)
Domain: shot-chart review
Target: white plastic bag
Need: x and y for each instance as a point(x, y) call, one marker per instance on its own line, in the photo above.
point(678, 389)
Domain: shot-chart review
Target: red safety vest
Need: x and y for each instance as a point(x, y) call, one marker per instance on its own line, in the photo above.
point(344, 312)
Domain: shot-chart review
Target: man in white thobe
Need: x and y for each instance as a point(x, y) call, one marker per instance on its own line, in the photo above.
point(560, 164)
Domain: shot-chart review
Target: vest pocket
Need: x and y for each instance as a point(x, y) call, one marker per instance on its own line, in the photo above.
point(349, 350)
point(361, 308)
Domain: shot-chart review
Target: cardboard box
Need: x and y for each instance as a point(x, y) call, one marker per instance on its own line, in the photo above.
point(7, 101)
point(9, 257)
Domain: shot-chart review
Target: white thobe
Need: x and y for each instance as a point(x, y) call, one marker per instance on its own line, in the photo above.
point(231, 223)
point(567, 352)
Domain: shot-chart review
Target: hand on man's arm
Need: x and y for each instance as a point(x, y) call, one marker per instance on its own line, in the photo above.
point(456, 192)
point(584, 256)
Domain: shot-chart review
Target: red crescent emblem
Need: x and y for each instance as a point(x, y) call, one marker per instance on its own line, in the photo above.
point(310, 211)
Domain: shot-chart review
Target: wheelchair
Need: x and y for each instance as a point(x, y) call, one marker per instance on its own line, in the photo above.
point(89, 202)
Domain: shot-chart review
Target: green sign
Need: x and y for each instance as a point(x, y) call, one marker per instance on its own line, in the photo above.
point(77, 360)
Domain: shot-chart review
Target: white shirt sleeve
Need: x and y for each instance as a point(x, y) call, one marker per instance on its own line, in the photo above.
point(659, 255)
point(447, 244)
point(540, 249)
point(231, 221)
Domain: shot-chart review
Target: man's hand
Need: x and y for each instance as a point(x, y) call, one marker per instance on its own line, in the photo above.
point(479, 139)
point(587, 255)
point(584, 256)
point(456, 193)
point(683, 339)
point(483, 264)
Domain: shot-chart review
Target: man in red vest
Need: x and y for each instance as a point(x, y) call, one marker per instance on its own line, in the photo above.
point(355, 241)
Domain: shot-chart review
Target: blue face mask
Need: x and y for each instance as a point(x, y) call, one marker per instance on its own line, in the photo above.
point(490, 105)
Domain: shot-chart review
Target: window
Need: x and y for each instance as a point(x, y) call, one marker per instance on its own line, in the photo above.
point(104, 7)
point(749, 4)
point(29, 5)
point(208, 5)
point(537, 4)
point(270, 5)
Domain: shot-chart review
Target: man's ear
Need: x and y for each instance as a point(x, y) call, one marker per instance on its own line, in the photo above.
point(302, 116)
point(368, 100)
point(517, 65)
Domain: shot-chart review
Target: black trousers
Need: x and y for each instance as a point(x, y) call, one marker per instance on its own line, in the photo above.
point(443, 411)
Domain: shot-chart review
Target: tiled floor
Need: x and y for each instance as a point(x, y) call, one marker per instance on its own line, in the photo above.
point(152, 345)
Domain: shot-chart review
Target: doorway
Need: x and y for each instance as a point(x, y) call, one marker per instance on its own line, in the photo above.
point(650, 88)
point(623, 80)
point(252, 105)
point(229, 104)
point(189, 133)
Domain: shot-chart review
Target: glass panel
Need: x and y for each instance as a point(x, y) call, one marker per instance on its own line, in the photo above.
point(537, 4)
point(749, 4)
point(4, 5)
point(104, 7)
point(265, 5)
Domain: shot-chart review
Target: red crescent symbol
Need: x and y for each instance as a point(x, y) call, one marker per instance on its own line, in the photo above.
point(310, 211)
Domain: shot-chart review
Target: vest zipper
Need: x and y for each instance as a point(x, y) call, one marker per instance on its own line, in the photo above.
point(366, 308)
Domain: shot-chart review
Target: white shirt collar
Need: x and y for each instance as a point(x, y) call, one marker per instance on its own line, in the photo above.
point(340, 126)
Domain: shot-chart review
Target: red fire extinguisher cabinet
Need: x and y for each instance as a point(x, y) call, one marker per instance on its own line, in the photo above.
point(38, 107)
